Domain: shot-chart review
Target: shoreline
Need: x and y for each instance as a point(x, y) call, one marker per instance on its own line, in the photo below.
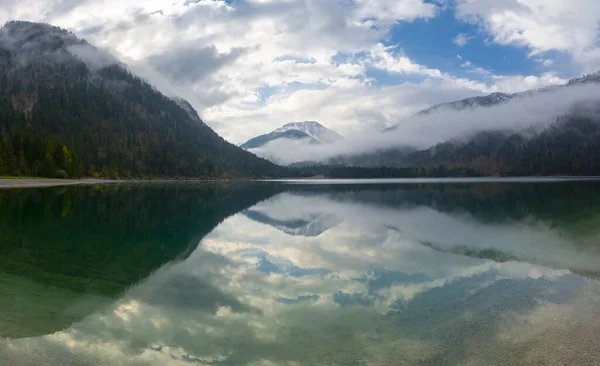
point(43, 182)
point(11, 183)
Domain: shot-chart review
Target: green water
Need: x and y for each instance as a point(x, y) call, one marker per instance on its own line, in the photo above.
point(293, 273)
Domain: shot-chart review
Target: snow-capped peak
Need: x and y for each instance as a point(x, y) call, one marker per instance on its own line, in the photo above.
point(313, 129)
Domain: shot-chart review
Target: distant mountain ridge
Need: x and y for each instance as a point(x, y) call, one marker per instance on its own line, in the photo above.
point(472, 102)
point(310, 131)
point(497, 98)
point(570, 145)
point(482, 101)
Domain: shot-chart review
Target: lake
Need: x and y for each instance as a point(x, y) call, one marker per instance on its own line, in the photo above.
point(430, 272)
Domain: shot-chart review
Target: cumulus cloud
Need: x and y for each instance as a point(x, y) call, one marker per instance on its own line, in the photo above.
point(461, 39)
point(382, 58)
point(192, 63)
point(243, 64)
point(540, 25)
point(545, 61)
point(518, 83)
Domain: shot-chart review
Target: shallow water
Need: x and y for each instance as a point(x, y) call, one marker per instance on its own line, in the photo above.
point(295, 273)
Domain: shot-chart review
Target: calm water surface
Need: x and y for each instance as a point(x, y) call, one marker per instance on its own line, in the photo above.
point(280, 273)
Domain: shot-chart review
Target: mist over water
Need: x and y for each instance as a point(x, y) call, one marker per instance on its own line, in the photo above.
point(273, 273)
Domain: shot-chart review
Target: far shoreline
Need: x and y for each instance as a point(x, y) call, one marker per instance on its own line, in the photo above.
point(34, 182)
point(15, 182)
point(46, 182)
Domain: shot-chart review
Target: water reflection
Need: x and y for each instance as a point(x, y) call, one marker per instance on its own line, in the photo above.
point(378, 275)
point(66, 252)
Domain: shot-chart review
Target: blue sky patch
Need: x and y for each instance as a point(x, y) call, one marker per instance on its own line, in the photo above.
point(430, 42)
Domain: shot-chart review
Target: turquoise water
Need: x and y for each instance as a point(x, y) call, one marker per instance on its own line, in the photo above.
point(296, 273)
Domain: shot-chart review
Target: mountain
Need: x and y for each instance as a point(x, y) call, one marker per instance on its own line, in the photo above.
point(315, 130)
point(500, 98)
point(68, 109)
point(473, 102)
point(310, 131)
point(483, 101)
point(570, 145)
point(289, 134)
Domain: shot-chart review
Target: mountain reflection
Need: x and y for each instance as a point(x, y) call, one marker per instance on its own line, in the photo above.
point(371, 274)
point(87, 245)
point(314, 225)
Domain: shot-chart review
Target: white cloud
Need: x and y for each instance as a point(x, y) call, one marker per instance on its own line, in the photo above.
point(545, 61)
point(475, 69)
point(541, 25)
point(517, 83)
point(391, 11)
point(461, 39)
point(381, 58)
point(241, 64)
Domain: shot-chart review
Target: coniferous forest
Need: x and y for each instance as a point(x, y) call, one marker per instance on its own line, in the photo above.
point(60, 118)
point(570, 146)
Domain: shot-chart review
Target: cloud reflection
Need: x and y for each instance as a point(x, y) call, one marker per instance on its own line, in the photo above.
point(372, 289)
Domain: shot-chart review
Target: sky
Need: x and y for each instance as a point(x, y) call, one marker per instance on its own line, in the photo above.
point(356, 66)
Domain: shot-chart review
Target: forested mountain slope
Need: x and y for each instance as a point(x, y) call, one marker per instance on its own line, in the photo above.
point(69, 110)
point(570, 147)
point(569, 144)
